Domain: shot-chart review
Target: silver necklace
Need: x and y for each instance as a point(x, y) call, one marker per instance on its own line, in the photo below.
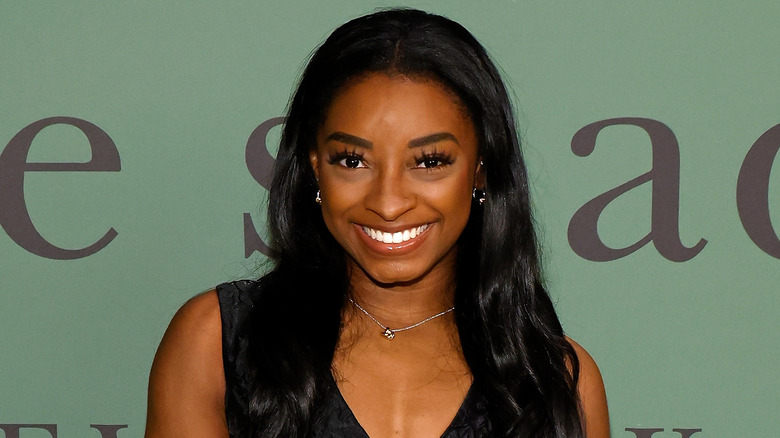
point(390, 333)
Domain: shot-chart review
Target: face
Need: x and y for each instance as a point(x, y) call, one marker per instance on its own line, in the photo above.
point(396, 160)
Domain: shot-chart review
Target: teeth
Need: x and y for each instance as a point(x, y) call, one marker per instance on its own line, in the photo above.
point(397, 237)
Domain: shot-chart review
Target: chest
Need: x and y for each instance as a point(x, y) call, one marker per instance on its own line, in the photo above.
point(335, 419)
point(401, 393)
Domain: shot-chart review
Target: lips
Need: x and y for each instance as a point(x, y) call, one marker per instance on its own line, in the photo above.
point(395, 237)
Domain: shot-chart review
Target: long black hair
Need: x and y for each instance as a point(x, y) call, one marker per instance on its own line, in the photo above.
point(511, 337)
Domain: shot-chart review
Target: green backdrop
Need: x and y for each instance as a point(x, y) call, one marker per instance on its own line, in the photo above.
point(178, 87)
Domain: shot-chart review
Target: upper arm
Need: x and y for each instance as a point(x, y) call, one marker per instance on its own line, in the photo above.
point(593, 397)
point(187, 382)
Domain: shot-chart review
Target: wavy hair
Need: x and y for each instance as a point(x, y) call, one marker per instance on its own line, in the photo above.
point(511, 337)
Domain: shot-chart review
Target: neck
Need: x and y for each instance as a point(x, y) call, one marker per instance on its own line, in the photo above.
point(402, 304)
point(415, 353)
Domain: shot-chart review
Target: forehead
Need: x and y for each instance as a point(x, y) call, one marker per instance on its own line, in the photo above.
point(380, 103)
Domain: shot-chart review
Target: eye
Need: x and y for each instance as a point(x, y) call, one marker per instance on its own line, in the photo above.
point(432, 161)
point(350, 160)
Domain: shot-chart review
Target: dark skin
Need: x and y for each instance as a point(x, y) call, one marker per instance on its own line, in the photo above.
point(394, 154)
point(408, 159)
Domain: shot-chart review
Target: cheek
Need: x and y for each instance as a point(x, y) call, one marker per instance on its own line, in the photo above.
point(337, 227)
point(332, 210)
point(453, 199)
point(337, 203)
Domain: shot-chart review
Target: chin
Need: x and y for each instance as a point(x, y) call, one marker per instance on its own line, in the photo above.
point(395, 275)
point(397, 281)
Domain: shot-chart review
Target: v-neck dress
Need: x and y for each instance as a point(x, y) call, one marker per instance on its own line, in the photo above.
point(332, 418)
point(336, 419)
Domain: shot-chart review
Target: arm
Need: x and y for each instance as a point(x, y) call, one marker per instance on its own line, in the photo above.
point(592, 395)
point(187, 382)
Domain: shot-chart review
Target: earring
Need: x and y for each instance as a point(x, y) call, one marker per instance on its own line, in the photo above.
point(318, 199)
point(478, 195)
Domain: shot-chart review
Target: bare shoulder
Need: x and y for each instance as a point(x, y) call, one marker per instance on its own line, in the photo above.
point(592, 395)
point(187, 382)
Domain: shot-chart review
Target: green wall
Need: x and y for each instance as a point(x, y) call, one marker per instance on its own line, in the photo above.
point(180, 86)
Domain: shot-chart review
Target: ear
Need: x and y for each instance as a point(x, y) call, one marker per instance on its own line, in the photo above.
point(479, 175)
point(314, 161)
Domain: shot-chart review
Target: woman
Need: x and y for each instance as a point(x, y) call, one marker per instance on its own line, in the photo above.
point(406, 296)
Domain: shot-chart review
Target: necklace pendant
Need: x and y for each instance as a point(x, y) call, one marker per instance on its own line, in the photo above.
point(389, 334)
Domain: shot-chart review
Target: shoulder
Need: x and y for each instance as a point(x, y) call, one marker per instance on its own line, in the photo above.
point(196, 328)
point(592, 394)
point(187, 383)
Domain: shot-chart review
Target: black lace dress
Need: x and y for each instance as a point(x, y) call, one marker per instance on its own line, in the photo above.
point(333, 417)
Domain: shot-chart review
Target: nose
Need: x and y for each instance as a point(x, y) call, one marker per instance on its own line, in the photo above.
point(389, 196)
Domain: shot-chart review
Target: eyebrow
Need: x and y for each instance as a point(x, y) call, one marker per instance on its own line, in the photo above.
point(433, 138)
point(343, 137)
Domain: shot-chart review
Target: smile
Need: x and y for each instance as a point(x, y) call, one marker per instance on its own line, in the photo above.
point(397, 237)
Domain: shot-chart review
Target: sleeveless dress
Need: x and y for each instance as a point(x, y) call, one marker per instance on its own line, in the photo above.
point(333, 417)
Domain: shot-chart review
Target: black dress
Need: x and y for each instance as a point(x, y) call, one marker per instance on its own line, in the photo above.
point(333, 418)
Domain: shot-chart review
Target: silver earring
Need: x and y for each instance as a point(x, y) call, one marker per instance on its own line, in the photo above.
point(318, 199)
point(478, 195)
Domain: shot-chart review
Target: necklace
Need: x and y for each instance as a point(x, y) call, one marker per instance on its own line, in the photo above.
point(390, 333)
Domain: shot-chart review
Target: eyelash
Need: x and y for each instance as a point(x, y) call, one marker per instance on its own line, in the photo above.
point(337, 157)
point(442, 158)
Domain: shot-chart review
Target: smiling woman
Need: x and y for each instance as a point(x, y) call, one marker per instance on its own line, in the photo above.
point(401, 302)
point(396, 161)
